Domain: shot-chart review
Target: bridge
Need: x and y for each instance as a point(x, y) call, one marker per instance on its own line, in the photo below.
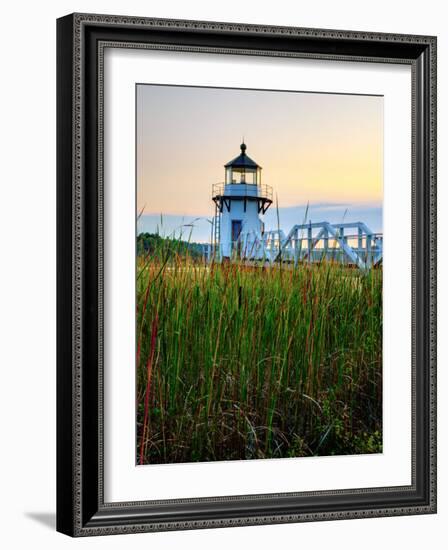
point(350, 243)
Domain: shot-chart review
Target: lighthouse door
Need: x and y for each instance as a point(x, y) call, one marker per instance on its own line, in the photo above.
point(237, 226)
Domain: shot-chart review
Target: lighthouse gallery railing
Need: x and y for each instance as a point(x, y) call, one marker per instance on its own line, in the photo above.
point(242, 189)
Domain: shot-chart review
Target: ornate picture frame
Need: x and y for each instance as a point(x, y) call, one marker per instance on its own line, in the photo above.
point(81, 506)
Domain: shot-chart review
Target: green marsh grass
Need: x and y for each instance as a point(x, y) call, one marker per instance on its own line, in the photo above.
point(238, 362)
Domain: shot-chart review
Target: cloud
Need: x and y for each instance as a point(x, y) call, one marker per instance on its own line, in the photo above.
point(370, 214)
point(198, 228)
point(193, 228)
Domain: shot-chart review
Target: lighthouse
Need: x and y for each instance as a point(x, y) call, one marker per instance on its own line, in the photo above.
point(240, 201)
point(239, 233)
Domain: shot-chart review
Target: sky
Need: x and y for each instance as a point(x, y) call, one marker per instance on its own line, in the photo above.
point(321, 153)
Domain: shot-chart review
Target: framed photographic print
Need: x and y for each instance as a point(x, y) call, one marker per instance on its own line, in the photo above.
point(246, 274)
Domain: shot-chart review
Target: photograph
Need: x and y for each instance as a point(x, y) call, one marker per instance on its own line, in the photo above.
point(259, 274)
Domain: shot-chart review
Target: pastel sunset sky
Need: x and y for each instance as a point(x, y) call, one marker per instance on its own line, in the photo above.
point(325, 150)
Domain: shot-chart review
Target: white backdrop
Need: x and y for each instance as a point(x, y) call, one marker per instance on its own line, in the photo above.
point(122, 480)
point(27, 290)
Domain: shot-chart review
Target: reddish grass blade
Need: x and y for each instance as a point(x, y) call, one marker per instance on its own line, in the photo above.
point(149, 365)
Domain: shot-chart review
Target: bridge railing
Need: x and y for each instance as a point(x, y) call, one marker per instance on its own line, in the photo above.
point(347, 243)
point(315, 241)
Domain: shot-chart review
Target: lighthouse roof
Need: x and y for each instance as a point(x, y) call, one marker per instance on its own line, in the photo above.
point(242, 160)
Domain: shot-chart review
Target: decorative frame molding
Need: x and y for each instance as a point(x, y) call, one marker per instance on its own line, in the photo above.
point(81, 510)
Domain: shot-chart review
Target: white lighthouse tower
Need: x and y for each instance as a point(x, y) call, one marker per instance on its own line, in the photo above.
point(239, 202)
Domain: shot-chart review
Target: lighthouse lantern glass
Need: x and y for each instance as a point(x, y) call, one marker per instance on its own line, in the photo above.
point(242, 176)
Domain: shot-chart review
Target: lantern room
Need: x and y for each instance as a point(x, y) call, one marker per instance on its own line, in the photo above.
point(243, 170)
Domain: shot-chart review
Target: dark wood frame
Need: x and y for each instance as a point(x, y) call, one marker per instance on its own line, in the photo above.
point(81, 510)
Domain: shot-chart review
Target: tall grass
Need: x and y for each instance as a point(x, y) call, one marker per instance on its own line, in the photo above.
point(238, 362)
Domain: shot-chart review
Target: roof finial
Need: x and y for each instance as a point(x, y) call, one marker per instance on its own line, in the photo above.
point(243, 147)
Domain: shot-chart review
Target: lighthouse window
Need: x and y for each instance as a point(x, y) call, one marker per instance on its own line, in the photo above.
point(248, 177)
point(242, 175)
